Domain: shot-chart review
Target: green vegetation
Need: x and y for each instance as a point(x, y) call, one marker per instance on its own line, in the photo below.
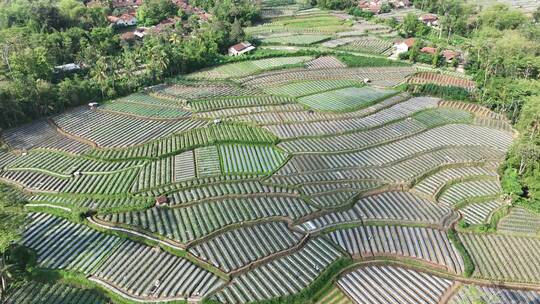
point(356, 61)
point(467, 259)
point(444, 92)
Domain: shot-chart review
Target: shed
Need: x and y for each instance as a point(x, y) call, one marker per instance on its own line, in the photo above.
point(240, 48)
point(161, 200)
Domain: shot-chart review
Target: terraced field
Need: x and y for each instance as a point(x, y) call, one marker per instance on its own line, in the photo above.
point(266, 180)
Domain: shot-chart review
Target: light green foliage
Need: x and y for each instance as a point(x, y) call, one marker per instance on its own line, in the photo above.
point(152, 12)
point(440, 116)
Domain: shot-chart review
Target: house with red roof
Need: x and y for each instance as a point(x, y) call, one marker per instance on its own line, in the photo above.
point(241, 48)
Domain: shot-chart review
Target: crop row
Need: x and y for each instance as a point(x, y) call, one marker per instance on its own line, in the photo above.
point(464, 191)
point(386, 75)
point(207, 161)
point(149, 99)
point(281, 277)
point(177, 143)
point(34, 292)
point(40, 134)
point(345, 99)
point(114, 183)
point(206, 91)
point(471, 294)
point(226, 188)
point(520, 220)
point(91, 203)
point(499, 257)
point(264, 114)
point(435, 117)
point(145, 110)
point(184, 166)
point(433, 139)
point(245, 68)
point(325, 62)
point(310, 87)
point(370, 45)
point(35, 180)
point(60, 244)
point(237, 248)
point(406, 170)
point(394, 206)
point(389, 284)
point(193, 222)
point(65, 165)
point(147, 272)
point(356, 140)
point(426, 244)
point(239, 102)
point(295, 39)
point(432, 184)
point(250, 159)
point(114, 130)
point(479, 213)
point(379, 114)
point(340, 194)
point(155, 174)
point(441, 79)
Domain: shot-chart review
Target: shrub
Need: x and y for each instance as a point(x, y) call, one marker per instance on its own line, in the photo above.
point(445, 92)
point(364, 61)
point(467, 260)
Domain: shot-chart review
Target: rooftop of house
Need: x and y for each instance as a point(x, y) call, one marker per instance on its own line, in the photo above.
point(429, 50)
point(241, 46)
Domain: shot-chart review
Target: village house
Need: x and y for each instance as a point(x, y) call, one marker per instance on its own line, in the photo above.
point(122, 20)
point(126, 3)
point(428, 50)
point(400, 3)
point(449, 55)
point(371, 6)
point(403, 46)
point(241, 48)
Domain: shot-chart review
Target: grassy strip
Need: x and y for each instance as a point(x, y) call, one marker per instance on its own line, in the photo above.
point(356, 61)
point(467, 259)
point(445, 92)
point(81, 281)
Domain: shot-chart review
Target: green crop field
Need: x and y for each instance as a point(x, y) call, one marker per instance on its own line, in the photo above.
point(346, 99)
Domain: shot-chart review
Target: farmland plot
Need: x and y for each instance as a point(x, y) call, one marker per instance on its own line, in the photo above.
point(92, 203)
point(181, 93)
point(240, 247)
point(499, 257)
point(148, 273)
point(40, 134)
point(144, 111)
point(304, 88)
point(404, 171)
point(346, 99)
point(470, 294)
point(296, 39)
point(388, 206)
point(281, 277)
point(114, 130)
point(41, 293)
point(207, 161)
point(370, 45)
point(468, 190)
point(325, 62)
point(432, 184)
point(427, 244)
point(184, 166)
point(245, 68)
point(389, 284)
point(63, 165)
point(239, 102)
point(442, 80)
point(190, 223)
point(479, 213)
point(35, 181)
point(114, 183)
point(433, 139)
point(520, 221)
point(61, 244)
point(211, 189)
point(383, 76)
point(181, 142)
point(384, 112)
point(244, 159)
point(335, 296)
point(155, 174)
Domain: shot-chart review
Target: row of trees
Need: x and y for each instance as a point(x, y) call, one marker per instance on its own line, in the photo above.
point(45, 34)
